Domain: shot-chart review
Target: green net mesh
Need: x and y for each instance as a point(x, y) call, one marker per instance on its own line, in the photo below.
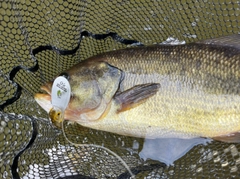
point(40, 39)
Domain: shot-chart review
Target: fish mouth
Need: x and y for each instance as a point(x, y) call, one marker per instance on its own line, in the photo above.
point(44, 101)
point(47, 88)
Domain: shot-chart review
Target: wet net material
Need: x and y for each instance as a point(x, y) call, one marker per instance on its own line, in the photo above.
point(40, 39)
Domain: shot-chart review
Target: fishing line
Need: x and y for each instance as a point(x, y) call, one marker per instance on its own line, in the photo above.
point(98, 146)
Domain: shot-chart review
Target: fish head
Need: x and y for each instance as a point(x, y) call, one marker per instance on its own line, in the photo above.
point(93, 86)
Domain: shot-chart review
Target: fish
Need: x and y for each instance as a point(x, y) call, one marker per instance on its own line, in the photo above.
point(160, 91)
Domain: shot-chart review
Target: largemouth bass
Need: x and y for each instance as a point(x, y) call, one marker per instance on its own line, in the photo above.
point(161, 91)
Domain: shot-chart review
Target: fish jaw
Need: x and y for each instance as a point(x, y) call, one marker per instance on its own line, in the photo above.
point(44, 100)
point(47, 87)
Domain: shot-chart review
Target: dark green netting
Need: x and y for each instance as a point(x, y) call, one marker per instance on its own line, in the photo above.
point(39, 39)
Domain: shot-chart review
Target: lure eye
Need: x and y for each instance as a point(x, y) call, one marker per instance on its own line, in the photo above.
point(56, 116)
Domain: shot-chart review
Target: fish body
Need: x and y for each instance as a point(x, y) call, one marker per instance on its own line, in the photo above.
point(161, 91)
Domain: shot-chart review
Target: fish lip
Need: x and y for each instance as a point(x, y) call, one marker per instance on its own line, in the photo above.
point(43, 100)
point(47, 88)
point(39, 95)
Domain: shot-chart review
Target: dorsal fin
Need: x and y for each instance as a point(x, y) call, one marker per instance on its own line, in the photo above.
point(227, 41)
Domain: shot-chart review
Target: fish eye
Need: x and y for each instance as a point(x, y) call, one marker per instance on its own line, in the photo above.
point(58, 113)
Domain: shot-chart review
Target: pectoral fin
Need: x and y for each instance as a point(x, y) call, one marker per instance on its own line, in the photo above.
point(231, 138)
point(136, 95)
